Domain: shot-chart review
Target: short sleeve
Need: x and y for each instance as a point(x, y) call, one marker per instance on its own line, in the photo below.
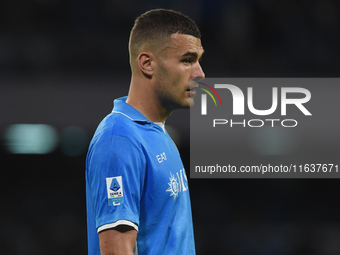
point(115, 177)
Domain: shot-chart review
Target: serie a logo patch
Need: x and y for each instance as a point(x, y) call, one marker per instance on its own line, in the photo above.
point(114, 187)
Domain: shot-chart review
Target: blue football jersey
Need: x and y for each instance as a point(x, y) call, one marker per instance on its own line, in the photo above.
point(134, 174)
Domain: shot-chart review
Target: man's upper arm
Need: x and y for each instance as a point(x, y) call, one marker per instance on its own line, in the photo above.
point(118, 240)
point(115, 159)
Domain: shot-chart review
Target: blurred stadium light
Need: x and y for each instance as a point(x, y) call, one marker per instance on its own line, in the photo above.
point(30, 139)
point(44, 139)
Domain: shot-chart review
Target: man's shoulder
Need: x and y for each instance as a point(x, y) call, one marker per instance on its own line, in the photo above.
point(116, 124)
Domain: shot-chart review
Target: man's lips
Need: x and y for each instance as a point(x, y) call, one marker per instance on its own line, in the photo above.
point(192, 91)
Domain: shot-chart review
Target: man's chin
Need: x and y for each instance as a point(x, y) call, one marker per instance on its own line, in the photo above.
point(185, 105)
point(191, 103)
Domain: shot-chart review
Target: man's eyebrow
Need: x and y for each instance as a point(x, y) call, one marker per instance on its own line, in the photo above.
point(192, 54)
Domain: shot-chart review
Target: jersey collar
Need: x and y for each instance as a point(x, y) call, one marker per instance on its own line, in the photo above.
point(120, 106)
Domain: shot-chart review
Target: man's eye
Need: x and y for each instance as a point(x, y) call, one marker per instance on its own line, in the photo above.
point(187, 60)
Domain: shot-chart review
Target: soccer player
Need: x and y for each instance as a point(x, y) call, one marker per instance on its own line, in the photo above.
point(136, 186)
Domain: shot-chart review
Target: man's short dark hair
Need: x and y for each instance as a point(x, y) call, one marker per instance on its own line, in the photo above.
point(155, 26)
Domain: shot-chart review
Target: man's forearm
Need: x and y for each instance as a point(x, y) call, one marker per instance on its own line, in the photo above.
point(117, 241)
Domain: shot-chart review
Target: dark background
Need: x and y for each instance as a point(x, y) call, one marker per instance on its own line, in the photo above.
point(63, 62)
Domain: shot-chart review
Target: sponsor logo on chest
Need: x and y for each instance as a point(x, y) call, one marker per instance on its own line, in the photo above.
point(161, 157)
point(178, 183)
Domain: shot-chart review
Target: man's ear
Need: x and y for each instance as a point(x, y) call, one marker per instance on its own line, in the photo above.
point(145, 63)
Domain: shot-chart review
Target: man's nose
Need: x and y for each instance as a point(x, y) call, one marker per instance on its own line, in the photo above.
point(198, 73)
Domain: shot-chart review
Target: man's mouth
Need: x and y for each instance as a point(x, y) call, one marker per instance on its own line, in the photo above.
point(192, 91)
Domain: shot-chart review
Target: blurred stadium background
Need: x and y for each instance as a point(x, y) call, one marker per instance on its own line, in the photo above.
point(63, 62)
